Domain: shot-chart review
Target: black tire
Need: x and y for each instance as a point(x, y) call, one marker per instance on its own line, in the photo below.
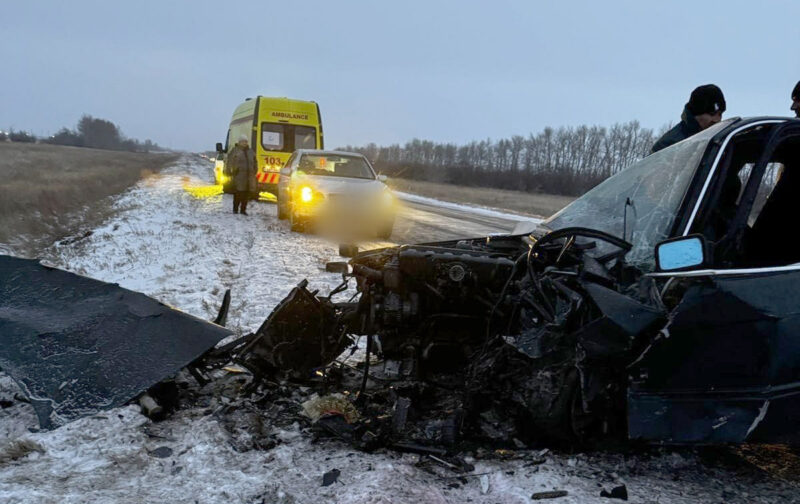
point(556, 422)
point(283, 212)
point(568, 422)
point(385, 231)
point(297, 224)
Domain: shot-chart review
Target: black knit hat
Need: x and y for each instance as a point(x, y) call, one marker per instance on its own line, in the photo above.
point(707, 99)
point(796, 92)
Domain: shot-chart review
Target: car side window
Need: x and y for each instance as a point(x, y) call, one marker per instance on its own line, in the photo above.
point(768, 184)
point(748, 226)
point(776, 204)
point(723, 199)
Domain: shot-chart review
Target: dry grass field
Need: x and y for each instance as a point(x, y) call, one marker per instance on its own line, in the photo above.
point(48, 191)
point(542, 205)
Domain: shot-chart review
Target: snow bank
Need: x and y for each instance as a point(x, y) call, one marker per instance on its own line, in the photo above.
point(478, 210)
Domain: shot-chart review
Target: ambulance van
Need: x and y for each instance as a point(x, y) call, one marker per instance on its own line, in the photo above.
point(276, 128)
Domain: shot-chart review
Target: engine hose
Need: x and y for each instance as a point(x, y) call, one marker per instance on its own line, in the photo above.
point(581, 231)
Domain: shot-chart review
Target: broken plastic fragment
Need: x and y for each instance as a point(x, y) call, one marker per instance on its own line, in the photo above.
point(618, 492)
point(331, 477)
point(333, 404)
point(553, 494)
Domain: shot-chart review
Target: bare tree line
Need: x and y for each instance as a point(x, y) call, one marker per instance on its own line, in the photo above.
point(90, 132)
point(567, 160)
point(99, 133)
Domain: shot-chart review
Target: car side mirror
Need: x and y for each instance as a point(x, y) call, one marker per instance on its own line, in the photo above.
point(681, 253)
point(383, 178)
point(219, 147)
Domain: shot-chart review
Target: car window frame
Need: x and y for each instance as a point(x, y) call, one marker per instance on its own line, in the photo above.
point(712, 172)
point(287, 168)
point(752, 181)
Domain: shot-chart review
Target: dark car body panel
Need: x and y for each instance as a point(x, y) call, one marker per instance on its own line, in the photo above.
point(729, 360)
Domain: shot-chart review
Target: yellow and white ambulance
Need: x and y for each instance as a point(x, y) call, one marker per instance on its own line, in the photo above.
point(276, 128)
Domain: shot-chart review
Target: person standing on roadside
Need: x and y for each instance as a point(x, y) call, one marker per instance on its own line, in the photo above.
point(241, 166)
point(796, 100)
point(705, 107)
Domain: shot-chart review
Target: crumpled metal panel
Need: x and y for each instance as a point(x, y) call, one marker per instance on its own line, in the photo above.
point(727, 368)
point(298, 336)
point(618, 330)
point(78, 345)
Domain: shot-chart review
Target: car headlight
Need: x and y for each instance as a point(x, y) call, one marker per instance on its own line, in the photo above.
point(306, 194)
point(387, 198)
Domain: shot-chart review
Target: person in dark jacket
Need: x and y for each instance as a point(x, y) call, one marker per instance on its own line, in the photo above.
point(241, 165)
point(796, 100)
point(705, 107)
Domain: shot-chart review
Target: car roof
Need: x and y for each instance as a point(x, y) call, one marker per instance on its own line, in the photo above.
point(745, 120)
point(318, 152)
point(736, 122)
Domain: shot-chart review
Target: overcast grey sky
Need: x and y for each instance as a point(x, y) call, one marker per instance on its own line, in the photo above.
point(387, 72)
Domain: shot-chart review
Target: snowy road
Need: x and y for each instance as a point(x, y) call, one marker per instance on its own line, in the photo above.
point(423, 220)
point(174, 239)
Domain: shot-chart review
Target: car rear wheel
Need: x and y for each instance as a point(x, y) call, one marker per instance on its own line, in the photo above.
point(283, 211)
point(297, 224)
point(385, 231)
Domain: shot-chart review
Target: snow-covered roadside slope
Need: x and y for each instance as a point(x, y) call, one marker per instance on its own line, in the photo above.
point(174, 240)
point(177, 240)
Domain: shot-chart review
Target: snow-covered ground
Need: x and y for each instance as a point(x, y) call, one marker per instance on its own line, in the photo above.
point(176, 240)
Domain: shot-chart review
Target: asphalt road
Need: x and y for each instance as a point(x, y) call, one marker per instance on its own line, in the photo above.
point(419, 222)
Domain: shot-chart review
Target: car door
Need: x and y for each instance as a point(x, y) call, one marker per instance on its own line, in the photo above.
point(284, 182)
point(726, 368)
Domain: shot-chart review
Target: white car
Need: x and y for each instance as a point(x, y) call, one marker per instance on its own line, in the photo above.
point(336, 188)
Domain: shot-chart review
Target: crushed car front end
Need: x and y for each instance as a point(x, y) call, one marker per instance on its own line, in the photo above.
point(533, 330)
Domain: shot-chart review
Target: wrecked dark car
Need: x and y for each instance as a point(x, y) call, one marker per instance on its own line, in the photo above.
point(662, 305)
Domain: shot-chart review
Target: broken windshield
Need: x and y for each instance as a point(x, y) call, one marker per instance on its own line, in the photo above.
point(649, 192)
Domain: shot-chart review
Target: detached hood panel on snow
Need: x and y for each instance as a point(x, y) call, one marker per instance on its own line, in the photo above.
point(77, 345)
